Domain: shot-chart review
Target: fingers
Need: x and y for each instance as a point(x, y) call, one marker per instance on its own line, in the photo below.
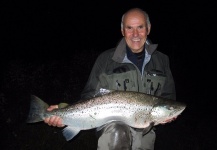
point(54, 121)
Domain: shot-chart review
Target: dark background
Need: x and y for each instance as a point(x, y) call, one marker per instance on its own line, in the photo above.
point(48, 49)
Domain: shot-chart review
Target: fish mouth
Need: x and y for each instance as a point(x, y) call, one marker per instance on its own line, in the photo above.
point(173, 117)
point(169, 120)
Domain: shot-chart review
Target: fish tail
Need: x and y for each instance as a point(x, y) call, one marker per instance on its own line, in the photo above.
point(37, 109)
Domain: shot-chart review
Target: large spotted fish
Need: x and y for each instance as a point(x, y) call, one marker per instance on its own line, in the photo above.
point(137, 110)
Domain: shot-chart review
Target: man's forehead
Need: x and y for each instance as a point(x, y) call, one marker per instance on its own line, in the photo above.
point(135, 22)
point(135, 17)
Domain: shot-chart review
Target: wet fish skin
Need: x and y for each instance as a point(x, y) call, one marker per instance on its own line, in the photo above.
point(137, 110)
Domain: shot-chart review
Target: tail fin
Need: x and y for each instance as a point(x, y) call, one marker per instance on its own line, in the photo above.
point(37, 110)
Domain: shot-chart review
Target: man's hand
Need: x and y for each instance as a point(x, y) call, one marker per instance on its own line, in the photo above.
point(54, 120)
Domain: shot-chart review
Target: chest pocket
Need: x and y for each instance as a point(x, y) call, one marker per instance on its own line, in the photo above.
point(122, 78)
point(154, 82)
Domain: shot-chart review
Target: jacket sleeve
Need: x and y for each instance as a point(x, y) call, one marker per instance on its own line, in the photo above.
point(168, 90)
point(93, 83)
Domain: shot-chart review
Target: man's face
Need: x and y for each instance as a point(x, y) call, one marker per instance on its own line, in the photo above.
point(135, 31)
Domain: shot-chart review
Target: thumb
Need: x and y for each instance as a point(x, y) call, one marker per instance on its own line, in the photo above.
point(52, 107)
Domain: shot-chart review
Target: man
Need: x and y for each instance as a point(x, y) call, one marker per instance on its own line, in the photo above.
point(134, 65)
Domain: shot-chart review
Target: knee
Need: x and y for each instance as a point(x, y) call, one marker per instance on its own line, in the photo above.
point(118, 128)
point(118, 134)
point(121, 130)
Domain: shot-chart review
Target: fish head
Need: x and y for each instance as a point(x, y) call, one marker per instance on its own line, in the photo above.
point(166, 111)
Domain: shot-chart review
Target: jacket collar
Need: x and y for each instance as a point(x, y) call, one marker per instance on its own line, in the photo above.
point(120, 50)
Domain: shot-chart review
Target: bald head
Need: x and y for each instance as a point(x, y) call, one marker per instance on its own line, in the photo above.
point(133, 12)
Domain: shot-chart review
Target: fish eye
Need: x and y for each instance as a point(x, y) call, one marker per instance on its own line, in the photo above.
point(169, 107)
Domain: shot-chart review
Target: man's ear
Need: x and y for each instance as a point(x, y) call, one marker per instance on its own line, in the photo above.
point(149, 29)
point(122, 31)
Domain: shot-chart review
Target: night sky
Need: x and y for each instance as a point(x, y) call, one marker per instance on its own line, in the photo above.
point(45, 31)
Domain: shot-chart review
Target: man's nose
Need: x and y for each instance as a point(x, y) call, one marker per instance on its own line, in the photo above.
point(135, 32)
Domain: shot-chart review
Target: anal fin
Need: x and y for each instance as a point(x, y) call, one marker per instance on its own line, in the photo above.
point(70, 132)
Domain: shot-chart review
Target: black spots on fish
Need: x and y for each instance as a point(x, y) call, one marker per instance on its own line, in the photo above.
point(139, 115)
point(77, 108)
point(55, 113)
point(139, 109)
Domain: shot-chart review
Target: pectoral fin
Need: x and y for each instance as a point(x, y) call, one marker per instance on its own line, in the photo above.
point(146, 130)
point(70, 132)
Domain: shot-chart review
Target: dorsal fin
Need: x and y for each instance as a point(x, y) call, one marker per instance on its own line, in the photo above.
point(102, 91)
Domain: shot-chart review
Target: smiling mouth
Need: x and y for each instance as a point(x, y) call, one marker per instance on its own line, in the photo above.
point(135, 40)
